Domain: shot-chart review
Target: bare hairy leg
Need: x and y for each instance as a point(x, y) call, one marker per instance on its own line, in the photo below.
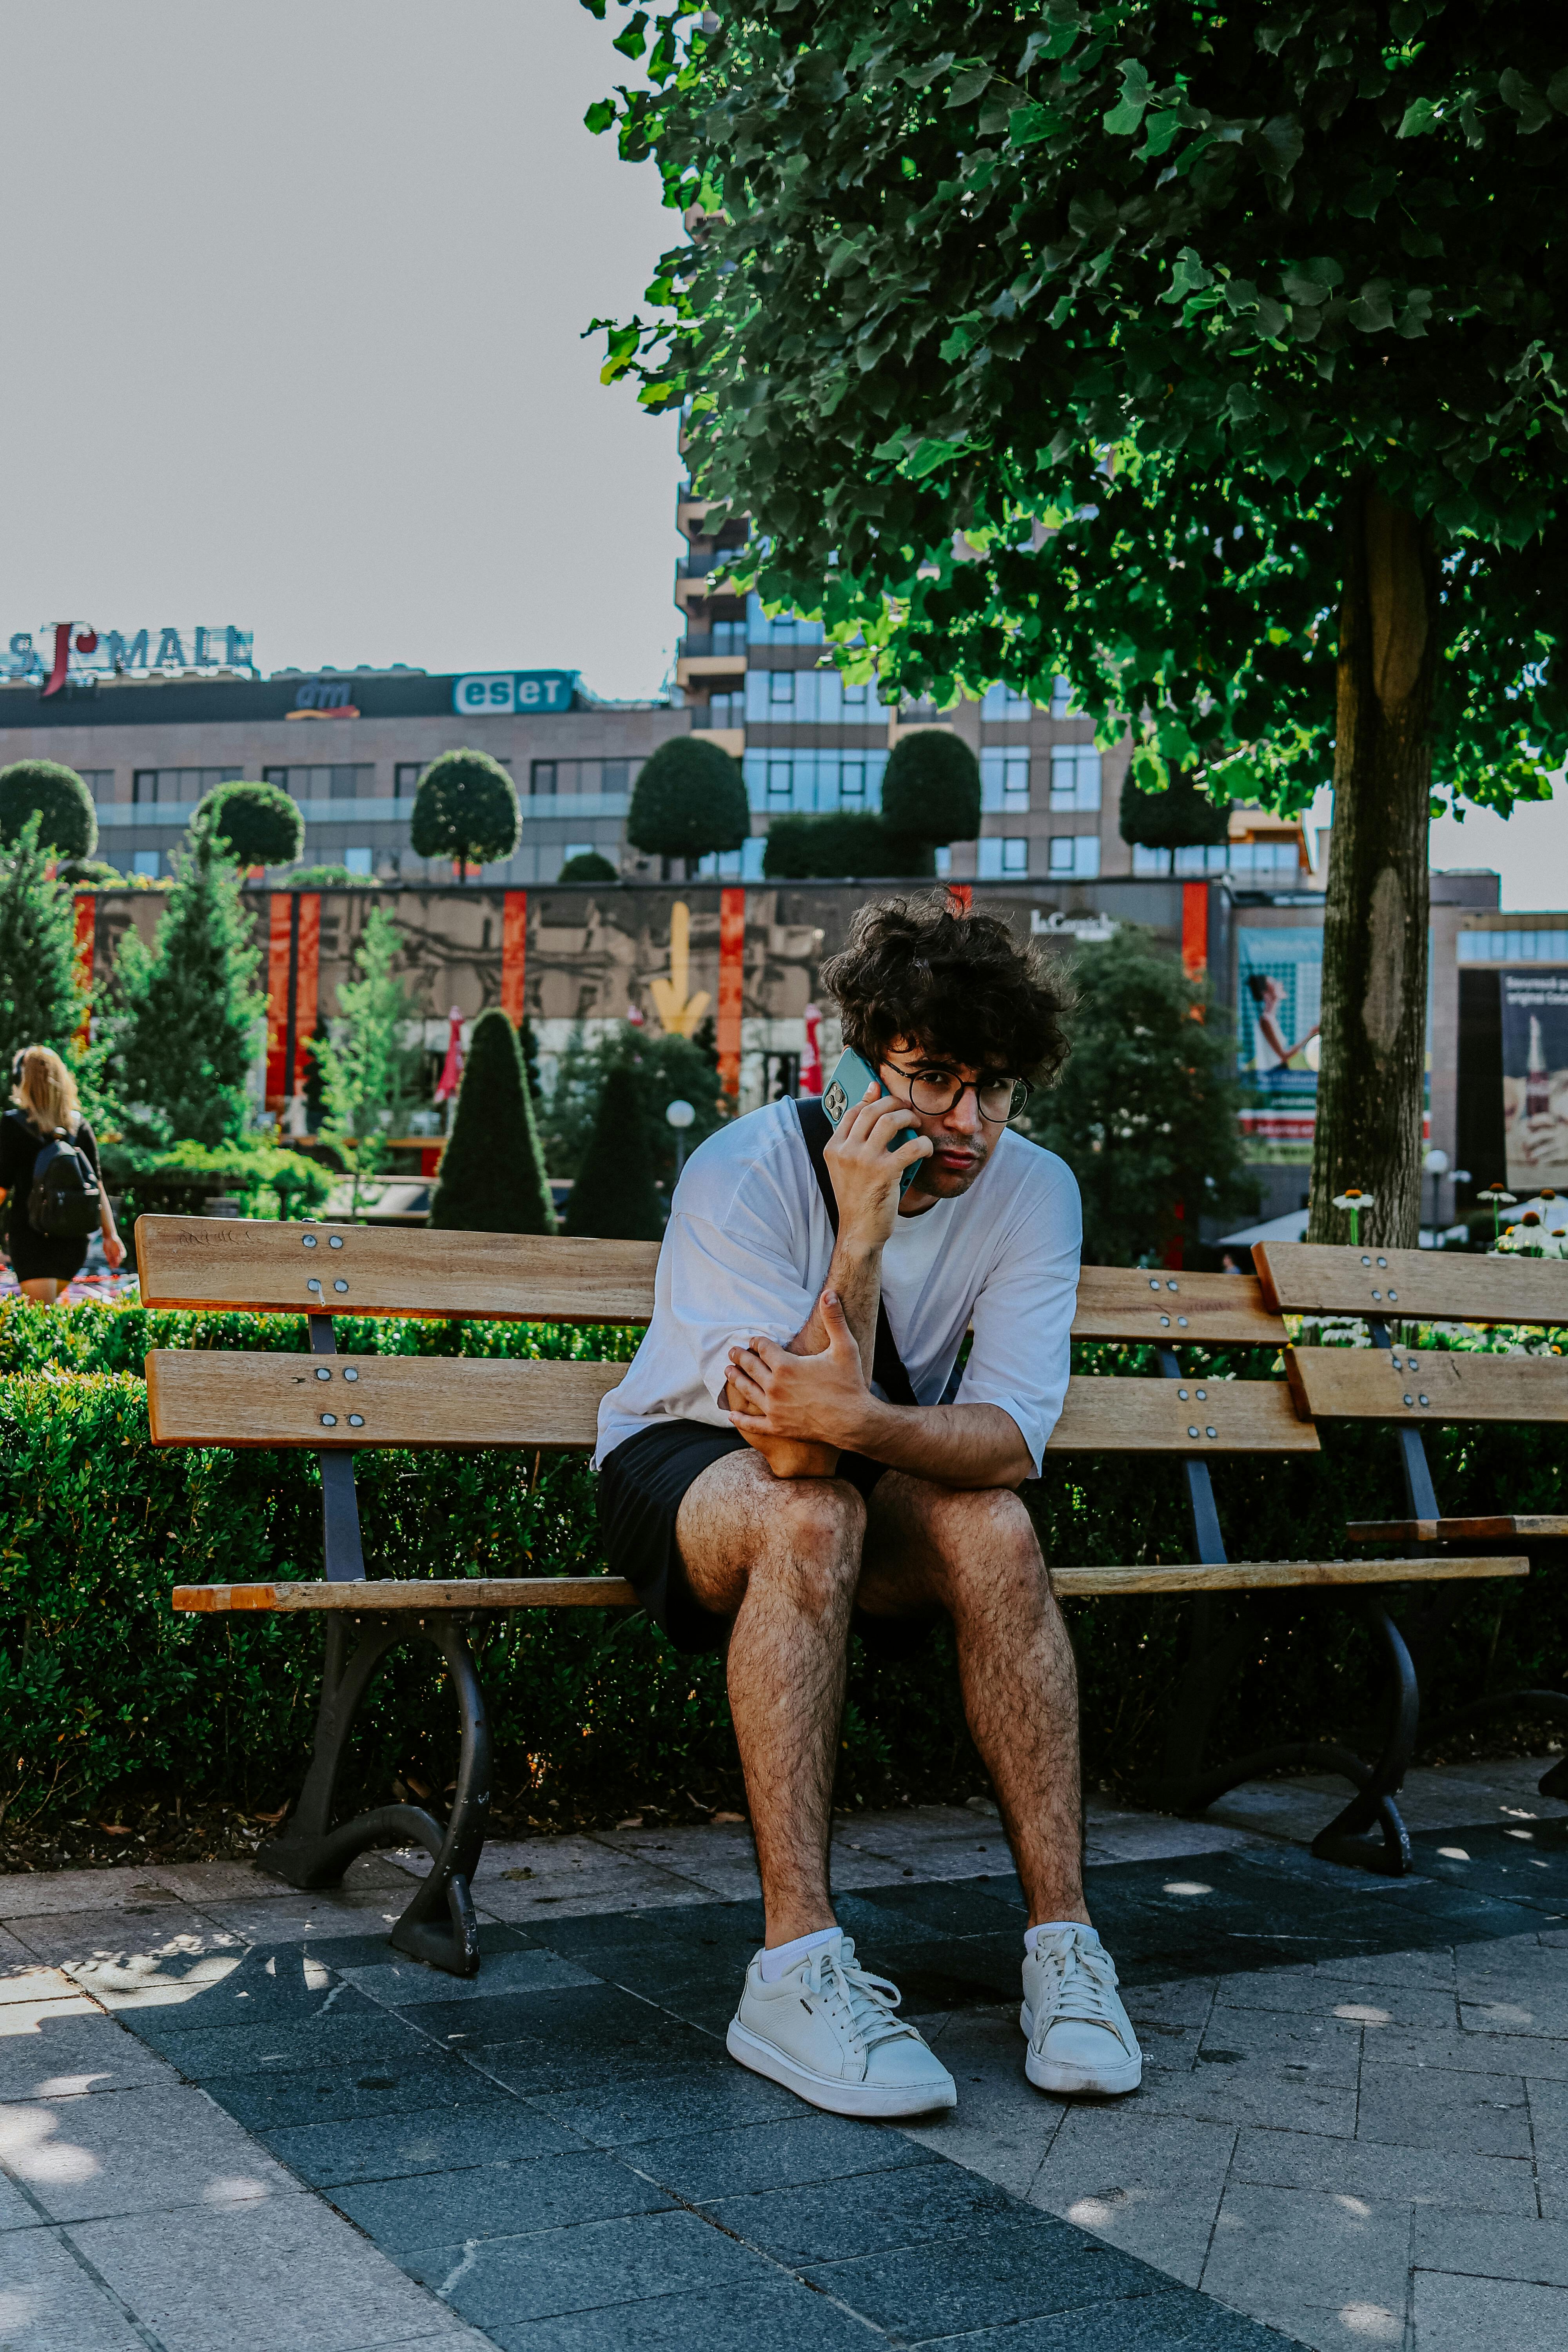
point(43, 1287)
point(781, 1557)
point(975, 1554)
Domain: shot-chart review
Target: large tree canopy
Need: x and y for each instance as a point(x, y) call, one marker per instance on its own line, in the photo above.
point(1207, 355)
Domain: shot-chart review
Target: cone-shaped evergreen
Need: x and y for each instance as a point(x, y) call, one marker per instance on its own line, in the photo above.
point(492, 1171)
point(39, 1001)
point(615, 1195)
point(188, 1011)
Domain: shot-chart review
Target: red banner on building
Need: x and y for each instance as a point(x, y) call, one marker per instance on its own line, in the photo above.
point(293, 967)
point(1194, 928)
point(86, 910)
point(513, 954)
point(731, 967)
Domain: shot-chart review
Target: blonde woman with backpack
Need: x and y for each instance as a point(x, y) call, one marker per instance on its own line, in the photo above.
point(49, 1178)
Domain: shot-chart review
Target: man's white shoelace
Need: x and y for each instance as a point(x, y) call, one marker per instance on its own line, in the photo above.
point(1085, 1982)
point(863, 2004)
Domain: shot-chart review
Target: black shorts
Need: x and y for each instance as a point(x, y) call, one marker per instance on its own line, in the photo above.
point(641, 1487)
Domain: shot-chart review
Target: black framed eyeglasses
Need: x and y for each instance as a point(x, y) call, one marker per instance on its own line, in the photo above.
point(933, 1093)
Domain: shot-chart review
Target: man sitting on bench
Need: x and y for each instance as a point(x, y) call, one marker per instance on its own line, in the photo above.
point(767, 1492)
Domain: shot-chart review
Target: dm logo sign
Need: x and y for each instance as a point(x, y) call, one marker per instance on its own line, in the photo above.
point(499, 694)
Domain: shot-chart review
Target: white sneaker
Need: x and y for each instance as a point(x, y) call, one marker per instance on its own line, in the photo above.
point(1080, 2037)
point(826, 2031)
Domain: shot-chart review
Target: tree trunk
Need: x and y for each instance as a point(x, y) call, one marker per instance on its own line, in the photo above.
point(1373, 1047)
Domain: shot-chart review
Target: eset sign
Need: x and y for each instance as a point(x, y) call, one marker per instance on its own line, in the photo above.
point(498, 693)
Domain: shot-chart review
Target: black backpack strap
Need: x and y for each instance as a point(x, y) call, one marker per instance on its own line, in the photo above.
point(887, 1364)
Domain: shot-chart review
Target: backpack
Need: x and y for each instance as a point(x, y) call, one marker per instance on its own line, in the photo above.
point(64, 1203)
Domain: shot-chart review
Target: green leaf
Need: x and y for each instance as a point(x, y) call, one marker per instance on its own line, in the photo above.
point(1372, 311)
point(1283, 140)
point(930, 456)
point(1028, 124)
point(971, 84)
point(1420, 116)
point(1160, 131)
point(601, 115)
point(1124, 117)
point(629, 40)
point(1525, 99)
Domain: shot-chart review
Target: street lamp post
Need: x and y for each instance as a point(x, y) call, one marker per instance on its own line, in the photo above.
point(679, 1116)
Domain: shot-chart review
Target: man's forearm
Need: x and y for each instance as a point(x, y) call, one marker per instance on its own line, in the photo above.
point(953, 1444)
point(854, 1274)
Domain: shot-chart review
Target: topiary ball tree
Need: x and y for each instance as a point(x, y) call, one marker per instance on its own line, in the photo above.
point(614, 1196)
point(67, 822)
point(1181, 817)
point(492, 1171)
point(256, 824)
point(588, 867)
point(688, 800)
point(466, 808)
point(846, 841)
point(932, 787)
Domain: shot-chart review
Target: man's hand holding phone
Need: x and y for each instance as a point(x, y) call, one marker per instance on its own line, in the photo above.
point(867, 1169)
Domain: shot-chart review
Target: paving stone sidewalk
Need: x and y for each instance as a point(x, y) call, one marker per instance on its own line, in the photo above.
point(234, 2122)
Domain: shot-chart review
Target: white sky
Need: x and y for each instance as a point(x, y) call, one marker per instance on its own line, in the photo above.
point(294, 296)
point(294, 309)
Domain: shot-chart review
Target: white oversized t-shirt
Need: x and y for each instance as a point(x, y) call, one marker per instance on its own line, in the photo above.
point(747, 1251)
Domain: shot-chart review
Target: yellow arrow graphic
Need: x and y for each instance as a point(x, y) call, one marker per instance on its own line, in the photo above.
point(678, 1012)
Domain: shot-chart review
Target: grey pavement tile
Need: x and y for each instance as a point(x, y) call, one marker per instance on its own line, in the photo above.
point(1170, 2320)
point(1434, 1966)
point(1186, 2002)
point(772, 2315)
point(534, 1908)
point(500, 2283)
point(68, 2048)
point(1150, 2185)
point(1456, 2315)
point(794, 2152)
point(1306, 1991)
point(1434, 2106)
point(839, 2221)
point(225, 1987)
point(23, 1980)
point(1276, 2248)
point(384, 2147)
point(296, 1918)
point(284, 2045)
point(27, 1894)
point(16, 1958)
point(583, 2014)
point(1549, 2116)
point(1325, 2048)
point(1243, 2089)
point(407, 1984)
point(1458, 2051)
point(133, 2152)
point(497, 2200)
point(1492, 2246)
point(1002, 2126)
point(1011, 2267)
point(48, 2303)
point(61, 1938)
point(281, 2274)
point(1365, 2169)
point(274, 2100)
point(709, 2092)
point(587, 2063)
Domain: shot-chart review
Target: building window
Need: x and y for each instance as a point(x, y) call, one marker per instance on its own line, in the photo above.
point(99, 782)
point(1075, 856)
point(180, 787)
point(405, 779)
point(578, 779)
point(1150, 861)
point(780, 688)
point(943, 862)
point(1061, 698)
point(541, 778)
point(785, 631)
point(1074, 777)
point(781, 783)
point(1002, 859)
point(359, 861)
point(858, 698)
point(728, 637)
point(147, 862)
point(814, 781)
point(742, 865)
point(727, 709)
point(1003, 781)
point(852, 784)
point(1003, 702)
point(345, 782)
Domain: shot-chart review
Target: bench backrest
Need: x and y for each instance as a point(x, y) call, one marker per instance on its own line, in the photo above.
point(209, 1397)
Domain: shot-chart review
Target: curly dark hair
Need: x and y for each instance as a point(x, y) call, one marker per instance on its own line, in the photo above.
point(959, 983)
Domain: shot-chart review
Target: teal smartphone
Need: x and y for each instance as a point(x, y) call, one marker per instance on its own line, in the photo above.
point(846, 1087)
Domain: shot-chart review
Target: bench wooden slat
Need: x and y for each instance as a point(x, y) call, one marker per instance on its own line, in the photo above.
point(1426, 1384)
point(1174, 1310)
point(1306, 1278)
point(241, 1263)
point(417, 1594)
point(1501, 1526)
point(199, 1396)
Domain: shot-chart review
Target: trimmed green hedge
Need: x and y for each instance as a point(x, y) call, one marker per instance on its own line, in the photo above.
point(101, 1684)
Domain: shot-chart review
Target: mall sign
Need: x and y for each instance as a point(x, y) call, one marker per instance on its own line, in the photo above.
point(62, 650)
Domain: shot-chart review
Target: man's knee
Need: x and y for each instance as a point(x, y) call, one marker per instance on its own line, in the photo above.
point(813, 1532)
point(989, 1547)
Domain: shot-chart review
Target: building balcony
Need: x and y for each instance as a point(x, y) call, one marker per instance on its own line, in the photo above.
point(689, 667)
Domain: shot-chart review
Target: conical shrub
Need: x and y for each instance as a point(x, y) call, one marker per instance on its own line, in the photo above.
point(492, 1172)
point(615, 1195)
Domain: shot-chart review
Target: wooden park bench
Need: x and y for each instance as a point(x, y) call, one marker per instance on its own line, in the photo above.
point(1407, 1386)
point(335, 1405)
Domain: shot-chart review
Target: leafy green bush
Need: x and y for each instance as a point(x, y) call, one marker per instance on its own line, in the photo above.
point(689, 799)
point(492, 1172)
point(668, 1069)
point(1182, 816)
point(256, 824)
point(267, 1181)
point(57, 796)
point(40, 1003)
point(843, 842)
point(588, 866)
point(101, 1684)
point(464, 806)
point(932, 787)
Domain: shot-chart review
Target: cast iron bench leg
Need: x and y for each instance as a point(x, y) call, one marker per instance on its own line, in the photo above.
point(311, 1851)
